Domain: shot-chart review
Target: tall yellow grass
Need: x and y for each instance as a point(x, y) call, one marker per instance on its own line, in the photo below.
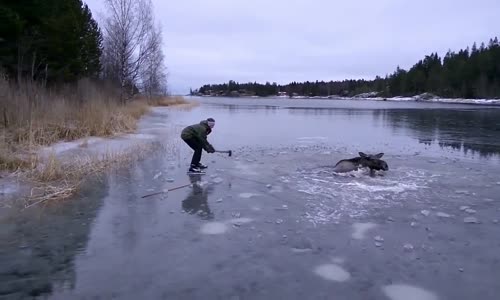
point(166, 101)
point(57, 180)
point(33, 116)
point(39, 116)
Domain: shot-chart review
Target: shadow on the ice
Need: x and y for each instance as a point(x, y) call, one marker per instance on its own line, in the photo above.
point(196, 202)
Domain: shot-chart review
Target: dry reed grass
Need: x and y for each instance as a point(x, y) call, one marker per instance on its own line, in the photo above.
point(57, 180)
point(166, 100)
point(32, 116)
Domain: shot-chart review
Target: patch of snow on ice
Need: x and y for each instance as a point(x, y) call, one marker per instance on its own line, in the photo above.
point(332, 272)
point(407, 292)
point(212, 228)
point(247, 195)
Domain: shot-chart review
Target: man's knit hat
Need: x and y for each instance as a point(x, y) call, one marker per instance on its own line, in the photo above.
point(211, 122)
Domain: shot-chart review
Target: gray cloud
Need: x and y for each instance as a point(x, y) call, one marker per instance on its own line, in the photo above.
point(285, 40)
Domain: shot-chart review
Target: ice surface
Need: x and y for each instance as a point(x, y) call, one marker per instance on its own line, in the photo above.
point(361, 229)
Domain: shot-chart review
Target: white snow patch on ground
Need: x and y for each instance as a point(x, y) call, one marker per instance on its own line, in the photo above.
point(84, 143)
point(407, 292)
point(213, 228)
point(332, 272)
point(217, 180)
point(247, 195)
point(299, 250)
point(159, 125)
point(141, 136)
point(445, 100)
point(62, 147)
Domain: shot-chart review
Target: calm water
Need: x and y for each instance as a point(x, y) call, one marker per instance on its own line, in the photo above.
point(274, 215)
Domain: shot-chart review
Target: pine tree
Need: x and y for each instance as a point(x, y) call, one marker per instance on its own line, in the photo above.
point(50, 40)
point(474, 49)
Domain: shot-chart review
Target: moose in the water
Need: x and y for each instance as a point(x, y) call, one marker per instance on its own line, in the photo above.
point(373, 162)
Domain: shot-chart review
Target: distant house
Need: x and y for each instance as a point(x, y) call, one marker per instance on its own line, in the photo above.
point(282, 94)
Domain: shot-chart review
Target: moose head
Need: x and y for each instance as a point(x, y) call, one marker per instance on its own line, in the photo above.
point(373, 162)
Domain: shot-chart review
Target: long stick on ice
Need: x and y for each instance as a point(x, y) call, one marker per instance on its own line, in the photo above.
point(166, 191)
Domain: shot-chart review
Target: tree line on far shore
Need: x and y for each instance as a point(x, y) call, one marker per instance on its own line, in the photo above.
point(473, 72)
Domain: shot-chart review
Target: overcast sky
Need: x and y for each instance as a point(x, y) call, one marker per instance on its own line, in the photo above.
point(213, 41)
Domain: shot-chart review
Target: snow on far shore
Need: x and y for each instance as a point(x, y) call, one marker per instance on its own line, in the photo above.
point(436, 100)
point(417, 98)
point(412, 99)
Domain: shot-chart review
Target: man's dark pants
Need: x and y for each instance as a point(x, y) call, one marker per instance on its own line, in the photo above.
point(197, 147)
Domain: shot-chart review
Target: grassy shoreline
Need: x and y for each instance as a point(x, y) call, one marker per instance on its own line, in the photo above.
point(33, 117)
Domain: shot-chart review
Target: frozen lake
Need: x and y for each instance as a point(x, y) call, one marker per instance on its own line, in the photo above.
point(273, 221)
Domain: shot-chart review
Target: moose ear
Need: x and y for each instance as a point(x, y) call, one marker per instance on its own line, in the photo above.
point(362, 154)
point(379, 155)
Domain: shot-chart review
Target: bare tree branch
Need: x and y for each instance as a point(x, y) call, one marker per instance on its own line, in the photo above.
point(131, 43)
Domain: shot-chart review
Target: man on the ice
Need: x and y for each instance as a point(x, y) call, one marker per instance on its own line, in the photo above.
point(196, 137)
